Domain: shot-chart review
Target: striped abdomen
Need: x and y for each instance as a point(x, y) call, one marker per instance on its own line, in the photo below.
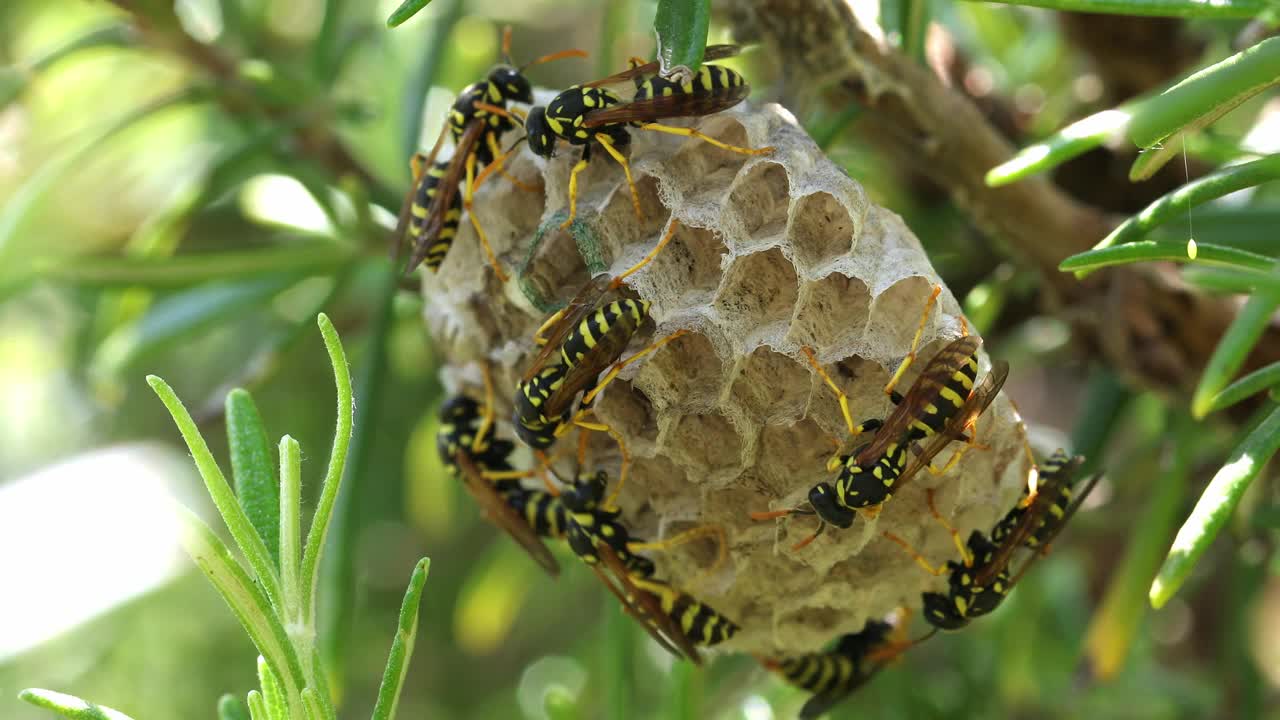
point(428, 186)
point(1056, 481)
point(817, 672)
point(541, 510)
point(712, 89)
point(935, 414)
point(532, 427)
point(610, 328)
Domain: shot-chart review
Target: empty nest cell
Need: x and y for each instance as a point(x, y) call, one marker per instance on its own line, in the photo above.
point(759, 199)
point(821, 230)
point(757, 296)
point(770, 386)
point(831, 313)
point(704, 442)
point(685, 375)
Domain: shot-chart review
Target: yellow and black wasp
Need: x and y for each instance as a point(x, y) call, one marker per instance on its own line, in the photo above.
point(940, 406)
point(469, 451)
point(835, 674)
point(581, 347)
point(1041, 514)
point(676, 620)
point(477, 121)
point(593, 115)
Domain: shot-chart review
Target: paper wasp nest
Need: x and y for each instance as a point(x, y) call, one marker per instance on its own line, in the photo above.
point(774, 253)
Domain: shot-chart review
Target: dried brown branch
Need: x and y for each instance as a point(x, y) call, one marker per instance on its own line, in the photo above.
point(1143, 320)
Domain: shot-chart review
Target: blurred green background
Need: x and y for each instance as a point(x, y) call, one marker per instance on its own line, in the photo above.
point(187, 215)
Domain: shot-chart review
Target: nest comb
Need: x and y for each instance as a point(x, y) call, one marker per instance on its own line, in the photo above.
point(773, 253)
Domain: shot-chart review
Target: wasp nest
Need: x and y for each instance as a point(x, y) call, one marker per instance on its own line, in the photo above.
point(773, 253)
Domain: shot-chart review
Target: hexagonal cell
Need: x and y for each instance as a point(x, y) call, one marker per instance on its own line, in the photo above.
point(685, 376)
point(759, 199)
point(686, 272)
point(703, 442)
point(556, 271)
point(792, 459)
point(629, 411)
point(770, 386)
point(757, 296)
point(820, 230)
point(895, 315)
point(596, 184)
point(617, 227)
point(830, 313)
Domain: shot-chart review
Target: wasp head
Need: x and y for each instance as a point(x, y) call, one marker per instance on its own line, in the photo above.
point(823, 499)
point(511, 84)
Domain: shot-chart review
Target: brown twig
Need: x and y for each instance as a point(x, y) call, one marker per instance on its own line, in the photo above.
point(1143, 320)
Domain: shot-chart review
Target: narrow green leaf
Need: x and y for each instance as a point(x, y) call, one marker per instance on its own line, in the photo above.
point(18, 207)
point(406, 10)
point(1259, 380)
point(1210, 93)
point(1154, 250)
point(333, 477)
point(1118, 619)
point(1177, 204)
point(682, 27)
point(272, 693)
point(322, 696)
point(1235, 345)
point(246, 537)
point(340, 564)
point(402, 645)
point(247, 601)
point(70, 706)
point(180, 316)
point(1075, 139)
point(312, 708)
point(1158, 8)
point(14, 79)
point(289, 506)
point(1215, 506)
point(614, 662)
point(252, 470)
point(231, 707)
point(257, 706)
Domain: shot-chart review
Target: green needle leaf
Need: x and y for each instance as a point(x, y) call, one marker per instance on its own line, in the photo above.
point(252, 470)
point(271, 691)
point(1175, 205)
point(1215, 506)
point(682, 27)
point(187, 270)
point(1234, 347)
point(1075, 139)
point(407, 9)
point(246, 537)
point(1208, 94)
point(1255, 382)
point(1240, 9)
point(70, 706)
point(402, 645)
point(247, 602)
point(1153, 250)
point(231, 708)
point(257, 706)
point(333, 477)
point(289, 506)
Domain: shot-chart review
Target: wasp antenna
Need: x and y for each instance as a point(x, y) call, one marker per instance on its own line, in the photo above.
point(822, 525)
point(506, 45)
point(575, 53)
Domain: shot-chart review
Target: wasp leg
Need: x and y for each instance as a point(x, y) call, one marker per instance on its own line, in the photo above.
point(607, 143)
point(573, 185)
point(666, 238)
point(468, 193)
point(580, 421)
point(915, 554)
point(841, 397)
point(715, 531)
point(690, 132)
point(618, 366)
point(915, 343)
point(965, 555)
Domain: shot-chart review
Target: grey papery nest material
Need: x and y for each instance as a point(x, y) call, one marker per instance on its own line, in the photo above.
point(773, 253)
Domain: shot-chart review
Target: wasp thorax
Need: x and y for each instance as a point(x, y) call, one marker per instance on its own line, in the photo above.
point(769, 255)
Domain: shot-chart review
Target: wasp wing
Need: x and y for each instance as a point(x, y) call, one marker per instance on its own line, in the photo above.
point(713, 52)
point(402, 223)
point(503, 516)
point(824, 701)
point(976, 404)
point(1075, 505)
point(676, 105)
point(646, 608)
point(583, 302)
point(1027, 523)
point(446, 191)
point(922, 393)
